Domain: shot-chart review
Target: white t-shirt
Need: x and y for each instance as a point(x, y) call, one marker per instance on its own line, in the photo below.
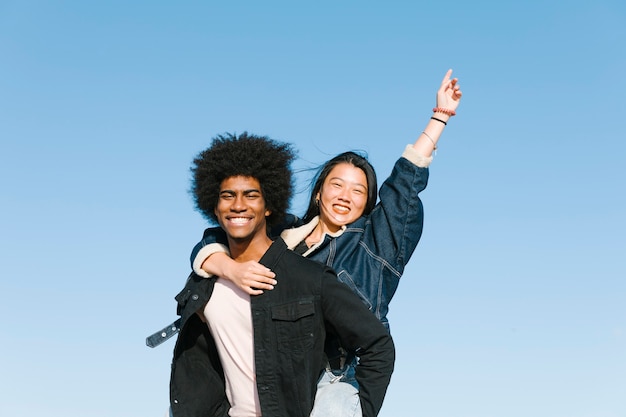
point(230, 321)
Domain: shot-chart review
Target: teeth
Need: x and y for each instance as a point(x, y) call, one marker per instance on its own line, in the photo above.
point(239, 220)
point(341, 209)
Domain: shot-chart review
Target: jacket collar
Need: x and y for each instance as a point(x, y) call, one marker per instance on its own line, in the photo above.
point(293, 237)
point(271, 257)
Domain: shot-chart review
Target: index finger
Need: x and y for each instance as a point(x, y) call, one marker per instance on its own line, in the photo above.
point(446, 78)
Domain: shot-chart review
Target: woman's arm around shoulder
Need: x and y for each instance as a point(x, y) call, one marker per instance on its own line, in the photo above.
point(211, 257)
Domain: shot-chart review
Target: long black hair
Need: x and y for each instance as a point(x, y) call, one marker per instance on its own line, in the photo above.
point(357, 161)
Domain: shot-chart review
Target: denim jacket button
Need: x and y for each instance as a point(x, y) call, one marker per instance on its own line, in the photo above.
point(195, 297)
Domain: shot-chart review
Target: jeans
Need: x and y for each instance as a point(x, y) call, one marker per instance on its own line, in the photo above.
point(337, 394)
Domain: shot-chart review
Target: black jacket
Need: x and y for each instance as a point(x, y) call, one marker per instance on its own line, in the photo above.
point(290, 323)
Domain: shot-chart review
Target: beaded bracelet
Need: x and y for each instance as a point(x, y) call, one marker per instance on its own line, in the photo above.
point(449, 112)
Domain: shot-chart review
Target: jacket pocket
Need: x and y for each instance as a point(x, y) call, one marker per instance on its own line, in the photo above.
point(346, 278)
point(295, 325)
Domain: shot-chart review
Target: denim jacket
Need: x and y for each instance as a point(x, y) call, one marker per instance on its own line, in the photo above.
point(290, 324)
point(368, 255)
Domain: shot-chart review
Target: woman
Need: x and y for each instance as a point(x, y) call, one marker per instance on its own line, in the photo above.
point(367, 244)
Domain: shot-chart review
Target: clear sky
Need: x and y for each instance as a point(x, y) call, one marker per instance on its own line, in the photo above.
point(514, 303)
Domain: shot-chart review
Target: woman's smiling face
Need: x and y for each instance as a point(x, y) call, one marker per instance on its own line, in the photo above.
point(343, 196)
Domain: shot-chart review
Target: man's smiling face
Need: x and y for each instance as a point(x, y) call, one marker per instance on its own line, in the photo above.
point(241, 209)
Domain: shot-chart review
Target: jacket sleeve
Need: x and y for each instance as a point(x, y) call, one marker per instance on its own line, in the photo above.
point(360, 331)
point(213, 240)
point(395, 225)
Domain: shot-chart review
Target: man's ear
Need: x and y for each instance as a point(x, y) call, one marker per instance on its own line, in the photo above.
point(268, 213)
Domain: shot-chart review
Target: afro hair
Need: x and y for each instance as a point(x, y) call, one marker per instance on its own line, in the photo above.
point(245, 155)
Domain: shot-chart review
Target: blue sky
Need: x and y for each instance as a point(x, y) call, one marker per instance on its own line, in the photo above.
point(513, 303)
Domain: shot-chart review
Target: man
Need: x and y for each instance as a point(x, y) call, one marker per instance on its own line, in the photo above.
point(262, 355)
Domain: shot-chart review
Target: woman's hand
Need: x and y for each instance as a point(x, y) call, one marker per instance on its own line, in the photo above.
point(250, 276)
point(449, 93)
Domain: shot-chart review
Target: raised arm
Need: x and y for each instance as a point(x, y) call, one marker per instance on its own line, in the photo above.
point(448, 98)
point(394, 227)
